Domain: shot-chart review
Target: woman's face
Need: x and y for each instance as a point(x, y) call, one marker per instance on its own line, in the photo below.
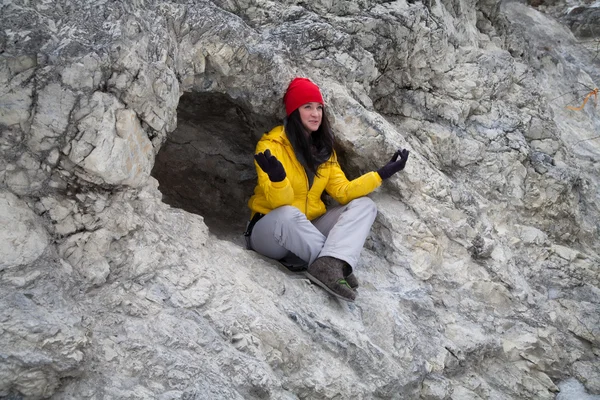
point(311, 115)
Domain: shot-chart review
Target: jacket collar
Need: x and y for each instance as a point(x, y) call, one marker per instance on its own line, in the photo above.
point(278, 135)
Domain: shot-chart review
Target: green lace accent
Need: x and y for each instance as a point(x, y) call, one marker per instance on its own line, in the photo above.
point(343, 282)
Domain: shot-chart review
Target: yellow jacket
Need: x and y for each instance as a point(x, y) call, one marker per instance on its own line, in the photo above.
point(294, 191)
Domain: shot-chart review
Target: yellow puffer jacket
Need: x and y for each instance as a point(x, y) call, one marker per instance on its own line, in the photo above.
point(294, 191)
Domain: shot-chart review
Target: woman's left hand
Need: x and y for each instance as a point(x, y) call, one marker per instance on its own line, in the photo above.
point(394, 165)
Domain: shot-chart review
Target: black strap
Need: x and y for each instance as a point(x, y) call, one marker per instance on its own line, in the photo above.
point(253, 222)
point(249, 228)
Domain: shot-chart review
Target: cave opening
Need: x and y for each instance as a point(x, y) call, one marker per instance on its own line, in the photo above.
point(205, 165)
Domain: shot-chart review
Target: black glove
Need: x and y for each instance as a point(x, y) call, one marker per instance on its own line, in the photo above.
point(271, 165)
point(394, 166)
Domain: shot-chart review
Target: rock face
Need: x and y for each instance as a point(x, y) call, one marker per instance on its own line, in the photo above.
point(23, 238)
point(480, 279)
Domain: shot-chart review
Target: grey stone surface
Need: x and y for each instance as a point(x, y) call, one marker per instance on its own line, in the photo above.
point(480, 279)
point(23, 238)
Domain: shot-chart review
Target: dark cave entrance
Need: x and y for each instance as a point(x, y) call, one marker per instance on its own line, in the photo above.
point(206, 167)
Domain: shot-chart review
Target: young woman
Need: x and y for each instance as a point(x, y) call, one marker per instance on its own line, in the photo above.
point(295, 163)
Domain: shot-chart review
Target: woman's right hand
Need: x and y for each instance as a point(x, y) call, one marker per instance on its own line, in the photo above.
point(270, 165)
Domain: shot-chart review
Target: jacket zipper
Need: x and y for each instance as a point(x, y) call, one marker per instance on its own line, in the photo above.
point(305, 177)
point(307, 191)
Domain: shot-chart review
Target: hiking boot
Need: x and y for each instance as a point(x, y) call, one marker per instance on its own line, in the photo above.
point(352, 281)
point(350, 278)
point(327, 272)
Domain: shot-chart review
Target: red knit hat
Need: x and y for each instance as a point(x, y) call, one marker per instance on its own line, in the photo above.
point(299, 92)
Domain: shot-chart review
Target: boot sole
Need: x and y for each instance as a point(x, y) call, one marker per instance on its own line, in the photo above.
point(327, 289)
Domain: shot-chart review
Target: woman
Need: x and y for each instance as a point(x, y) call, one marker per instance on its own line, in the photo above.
point(295, 164)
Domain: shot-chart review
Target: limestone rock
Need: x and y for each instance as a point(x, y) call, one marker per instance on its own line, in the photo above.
point(126, 138)
point(51, 117)
point(39, 346)
point(584, 20)
point(15, 90)
point(23, 237)
point(111, 143)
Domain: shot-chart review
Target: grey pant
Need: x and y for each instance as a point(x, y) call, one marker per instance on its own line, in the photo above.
point(286, 234)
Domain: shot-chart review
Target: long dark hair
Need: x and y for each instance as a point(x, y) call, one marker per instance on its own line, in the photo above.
point(314, 149)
